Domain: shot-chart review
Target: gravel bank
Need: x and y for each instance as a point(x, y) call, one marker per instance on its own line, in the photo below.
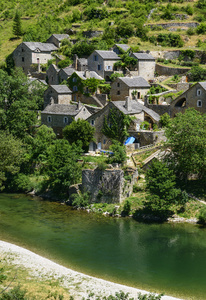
point(79, 285)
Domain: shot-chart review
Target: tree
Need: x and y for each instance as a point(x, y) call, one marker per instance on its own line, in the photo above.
point(18, 103)
point(17, 29)
point(186, 137)
point(11, 156)
point(165, 120)
point(116, 125)
point(61, 166)
point(119, 153)
point(79, 131)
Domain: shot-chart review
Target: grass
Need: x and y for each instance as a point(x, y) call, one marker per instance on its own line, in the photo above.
point(37, 288)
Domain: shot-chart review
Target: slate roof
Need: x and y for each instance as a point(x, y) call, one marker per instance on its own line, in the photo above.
point(69, 71)
point(136, 108)
point(143, 56)
point(61, 36)
point(62, 109)
point(83, 61)
point(43, 47)
point(90, 74)
point(135, 81)
point(123, 46)
point(107, 54)
point(61, 89)
point(31, 80)
point(203, 84)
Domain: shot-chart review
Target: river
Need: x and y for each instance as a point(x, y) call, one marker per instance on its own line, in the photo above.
point(169, 258)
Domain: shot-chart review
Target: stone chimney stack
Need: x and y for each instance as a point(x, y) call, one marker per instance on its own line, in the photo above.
point(79, 105)
point(86, 73)
point(75, 61)
point(128, 104)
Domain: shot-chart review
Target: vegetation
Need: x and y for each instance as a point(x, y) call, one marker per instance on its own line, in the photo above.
point(79, 132)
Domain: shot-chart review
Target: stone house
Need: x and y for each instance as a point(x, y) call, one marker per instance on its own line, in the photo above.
point(132, 108)
point(57, 116)
point(57, 94)
point(134, 87)
point(102, 62)
point(80, 64)
point(56, 39)
point(83, 93)
point(30, 55)
point(119, 48)
point(145, 65)
point(52, 74)
point(65, 73)
point(194, 97)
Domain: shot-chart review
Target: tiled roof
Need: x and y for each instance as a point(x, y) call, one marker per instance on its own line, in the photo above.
point(44, 47)
point(123, 46)
point(135, 81)
point(136, 108)
point(61, 89)
point(107, 54)
point(143, 56)
point(62, 109)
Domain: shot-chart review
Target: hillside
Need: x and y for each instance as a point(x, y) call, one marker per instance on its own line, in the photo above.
point(118, 21)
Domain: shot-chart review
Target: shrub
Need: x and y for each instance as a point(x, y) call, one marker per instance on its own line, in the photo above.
point(202, 216)
point(81, 200)
point(126, 208)
point(19, 183)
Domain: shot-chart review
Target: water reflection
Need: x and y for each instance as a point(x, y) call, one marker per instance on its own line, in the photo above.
point(168, 258)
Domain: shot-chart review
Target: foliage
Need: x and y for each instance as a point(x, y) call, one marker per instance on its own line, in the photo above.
point(92, 84)
point(15, 293)
point(64, 63)
point(18, 102)
point(116, 125)
point(168, 39)
point(149, 296)
point(81, 200)
point(2, 275)
point(197, 74)
point(11, 156)
point(61, 166)
point(165, 120)
point(79, 131)
point(17, 28)
point(125, 29)
point(18, 183)
point(126, 208)
point(119, 153)
point(82, 49)
point(186, 138)
point(116, 75)
point(145, 125)
point(202, 216)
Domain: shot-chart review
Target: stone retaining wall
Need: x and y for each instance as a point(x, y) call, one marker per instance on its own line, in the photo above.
point(169, 71)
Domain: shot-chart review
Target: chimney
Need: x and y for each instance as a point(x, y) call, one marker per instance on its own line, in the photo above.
point(86, 73)
point(79, 105)
point(128, 103)
point(75, 61)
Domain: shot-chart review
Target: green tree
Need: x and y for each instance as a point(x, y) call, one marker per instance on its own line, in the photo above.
point(61, 166)
point(165, 120)
point(12, 154)
point(79, 131)
point(119, 153)
point(116, 125)
point(17, 28)
point(186, 137)
point(18, 103)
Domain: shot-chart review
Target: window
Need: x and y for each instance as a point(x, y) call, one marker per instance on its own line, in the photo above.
point(22, 58)
point(22, 50)
point(118, 92)
point(74, 79)
point(75, 89)
point(104, 142)
point(199, 103)
point(99, 67)
point(95, 57)
point(118, 84)
point(49, 119)
point(65, 120)
point(92, 122)
point(109, 67)
point(198, 92)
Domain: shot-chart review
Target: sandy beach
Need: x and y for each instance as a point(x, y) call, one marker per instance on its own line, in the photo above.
point(79, 285)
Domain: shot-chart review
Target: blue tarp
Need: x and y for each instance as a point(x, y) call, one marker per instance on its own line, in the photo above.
point(130, 140)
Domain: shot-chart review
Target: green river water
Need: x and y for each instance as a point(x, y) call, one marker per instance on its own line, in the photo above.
point(169, 258)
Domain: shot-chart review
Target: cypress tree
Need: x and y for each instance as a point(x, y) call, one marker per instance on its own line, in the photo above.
point(17, 29)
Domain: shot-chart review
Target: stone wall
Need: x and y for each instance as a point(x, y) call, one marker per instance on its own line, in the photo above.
point(160, 109)
point(169, 71)
point(148, 137)
point(107, 186)
point(175, 24)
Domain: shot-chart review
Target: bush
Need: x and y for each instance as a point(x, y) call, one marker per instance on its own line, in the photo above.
point(126, 208)
point(18, 183)
point(81, 200)
point(119, 153)
point(202, 216)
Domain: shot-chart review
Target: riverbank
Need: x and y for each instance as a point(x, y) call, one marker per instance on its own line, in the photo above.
point(78, 285)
